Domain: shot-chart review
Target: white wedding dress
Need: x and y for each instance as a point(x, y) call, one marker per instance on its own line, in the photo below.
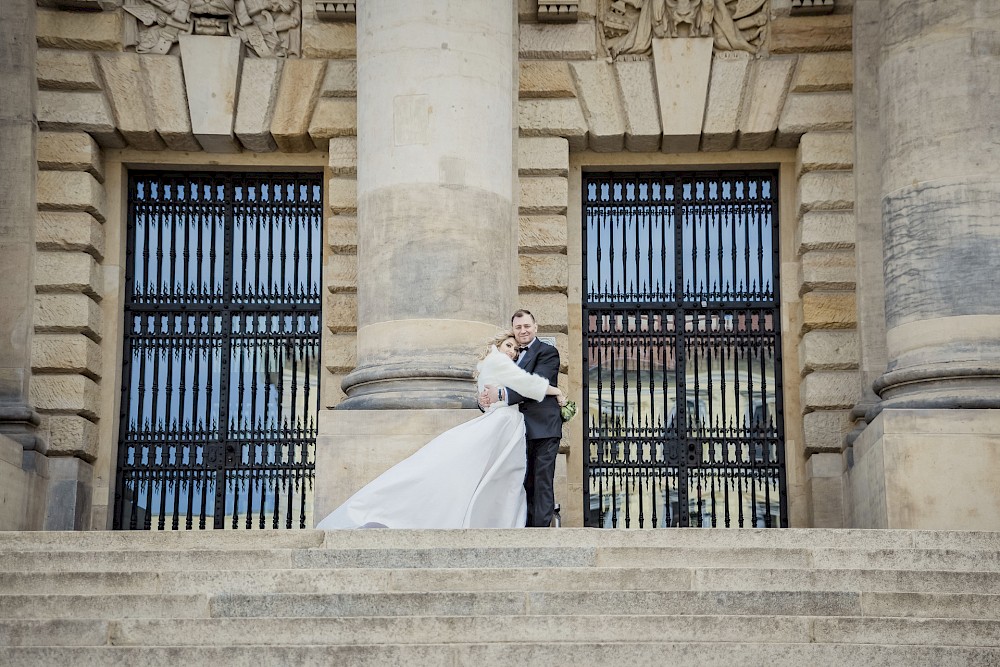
point(471, 476)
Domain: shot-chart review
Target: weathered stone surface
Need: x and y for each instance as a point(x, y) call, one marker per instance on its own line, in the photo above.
point(550, 311)
point(70, 151)
point(547, 41)
point(341, 311)
point(824, 430)
point(127, 92)
point(68, 230)
point(71, 435)
point(553, 118)
point(67, 272)
point(342, 233)
point(65, 353)
point(326, 39)
point(826, 190)
point(825, 390)
point(211, 92)
point(70, 191)
point(828, 270)
point(542, 233)
point(168, 103)
point(299, 88)
point(826, 230)
point(829, 310)
point(542, 156)
point(828, 351)
point(767, 89)
point(824, 72)
point(91, 31)
point(341, 273)
point(343, 156)
point(545, 78)
point(682, 68)
point(543, 273)
point(333, 117)
point(637, 88)
point(726, 89)
point(340, 352)
point(66, 70)
point(67, 313)
point(340, 80)
point(543, 194)
point(258, 93)
point(65, 394)
point(332, 393)
point(812, 112)
point(819, 151)
point(811, 34)
point(342, 195)
point(78, 111)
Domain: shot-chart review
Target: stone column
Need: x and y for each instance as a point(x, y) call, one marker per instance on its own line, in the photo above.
point(933, 453)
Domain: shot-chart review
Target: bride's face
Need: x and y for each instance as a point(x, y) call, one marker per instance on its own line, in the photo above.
point(508, 347)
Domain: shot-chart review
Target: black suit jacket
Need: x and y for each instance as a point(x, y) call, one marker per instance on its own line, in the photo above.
point(541, 418)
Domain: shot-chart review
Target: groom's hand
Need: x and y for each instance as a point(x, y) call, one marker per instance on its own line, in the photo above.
point(484, 398)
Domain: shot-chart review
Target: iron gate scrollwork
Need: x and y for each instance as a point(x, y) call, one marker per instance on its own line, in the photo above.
point(683, 407)
point(221, 352)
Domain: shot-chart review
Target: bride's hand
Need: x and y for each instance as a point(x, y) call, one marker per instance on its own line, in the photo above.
point(561, 399)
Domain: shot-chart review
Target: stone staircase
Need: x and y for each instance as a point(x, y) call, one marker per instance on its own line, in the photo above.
point(548, 597)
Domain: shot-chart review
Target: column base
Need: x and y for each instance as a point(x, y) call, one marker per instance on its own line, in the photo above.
point(928, 470)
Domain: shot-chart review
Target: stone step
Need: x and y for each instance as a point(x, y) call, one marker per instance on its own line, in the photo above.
point(362, 580)
point(632, 653)
point(502, 603)
point(491, 629)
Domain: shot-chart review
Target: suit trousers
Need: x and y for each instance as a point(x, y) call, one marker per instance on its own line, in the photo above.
point(538, 482)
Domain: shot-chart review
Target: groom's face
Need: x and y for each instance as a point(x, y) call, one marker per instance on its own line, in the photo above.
point(524, 329)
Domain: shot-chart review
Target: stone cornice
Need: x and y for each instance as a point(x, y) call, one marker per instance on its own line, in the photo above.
point(335, 11)
point(811, 7)
point(564, 11)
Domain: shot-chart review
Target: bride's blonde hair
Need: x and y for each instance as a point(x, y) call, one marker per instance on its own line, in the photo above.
point(495, 342)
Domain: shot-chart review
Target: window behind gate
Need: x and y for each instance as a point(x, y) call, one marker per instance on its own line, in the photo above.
point(220, 365)
point(683, 415)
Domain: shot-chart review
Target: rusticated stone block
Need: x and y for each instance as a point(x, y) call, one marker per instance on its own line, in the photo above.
point(829, 310)
point(827, 270)
point(726, 90)
point(826, 230)
point(70, 191)
point(333, 40)
point(67, 313)
point(71, 435)
point(342, 195)
point(826, 190)
point(79, 111)
point(127, 92)
point(86, 31)
point(543, 194)
point(542, 233)
point(65, 353)
point(828, 351)
point(65, 394)
point(542, 156)
point(637, 89)
point(824, 72)
point(67, 272)
point(543, 273)
point(333, 117)
point(545, 78)
point(602, 109)
point(340, 352)
point(168, 103)
point(258, 94)
point(546, 41)
point(826, 390)
point(332, 391)
point(340, 312)
point(341, 79)
point(70, 151)
point(341, 273)
point(825, 151)
point(766, 89)
point(814, 112)
point(553, 118)
point(342, 234)
point(802, 34)
point(66, 70)
point(297, 94)
point(67, 230)
point(550, 309)
point(824, 430)
point(343, 151)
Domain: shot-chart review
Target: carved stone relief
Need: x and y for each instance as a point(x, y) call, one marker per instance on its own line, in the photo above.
point(268, 28)
point(629, 26)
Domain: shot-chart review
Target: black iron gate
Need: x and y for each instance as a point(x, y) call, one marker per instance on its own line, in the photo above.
point(683, 406)
point(220, 366)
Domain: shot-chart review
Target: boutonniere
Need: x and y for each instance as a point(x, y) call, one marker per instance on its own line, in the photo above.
point(568, 411)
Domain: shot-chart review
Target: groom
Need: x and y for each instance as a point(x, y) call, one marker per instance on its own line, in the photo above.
point(542, 421)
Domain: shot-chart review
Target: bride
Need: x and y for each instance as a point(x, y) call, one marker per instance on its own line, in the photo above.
point(471, 476)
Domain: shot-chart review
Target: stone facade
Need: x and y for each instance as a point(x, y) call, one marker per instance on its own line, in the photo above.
point(587, 85)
